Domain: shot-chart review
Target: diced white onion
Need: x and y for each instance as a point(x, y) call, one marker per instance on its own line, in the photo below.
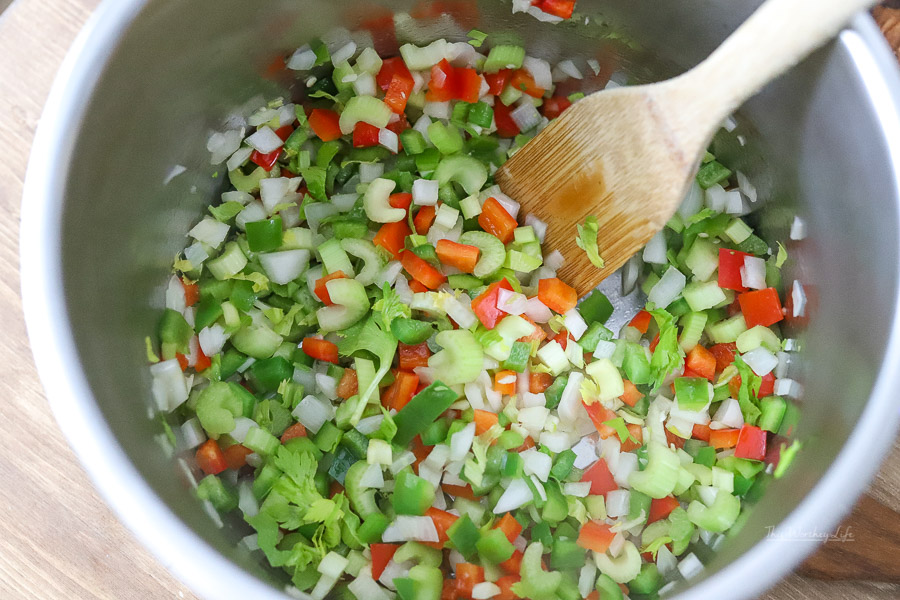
point(716, 198)
point(511, 302)
point(690, 566)
point(318, 211)
point(272, 192)
point(617, 503)
point(578, 489)
point(437, 110)
point(192, 434)
point(585, 453)
point(526, 116)
point(666, 561)
point(369, 172)
point(212, 338)
point(537, 311)
point(372, 477)
point(516, 495)
point(405, 528)
point(566, 69)
point(798, 229)
point(575, 324)
point(729, 414)
point(798, 298)
point(746, 187)
point(313, 412)
point(668, 288)
point(555, 441)
point(554, 260)
point(540, 71)
point(369, 425)
point(286, 266)
point(388, 139)
point(170, 387)
point(485, 590)
point(604, 349)
point(788, 387)
point(222, 145)
point(537, 463)
point(403, 460)
point(760, 360)
point(265, 140)
point(247, 501)
point(753, 273)
point(734, 203)
point(210, 232)
point(655, 250)
point(343, 53)
point(303, 59)
point(255, 211)
point(540, 228)
point(327, 385)
point(425, 192)
point(570, 407)
point(626, 464)
point(196, 254)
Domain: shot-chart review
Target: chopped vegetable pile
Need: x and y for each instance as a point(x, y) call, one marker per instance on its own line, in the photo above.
point(370, 360)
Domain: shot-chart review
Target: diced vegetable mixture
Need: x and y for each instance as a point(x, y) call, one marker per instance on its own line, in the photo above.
point(370, 361)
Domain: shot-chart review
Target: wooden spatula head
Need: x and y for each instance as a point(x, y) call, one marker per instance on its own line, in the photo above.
point(616, 155)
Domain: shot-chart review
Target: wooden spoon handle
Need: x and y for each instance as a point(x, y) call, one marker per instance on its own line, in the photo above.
point(864, 547)
point(776, 37)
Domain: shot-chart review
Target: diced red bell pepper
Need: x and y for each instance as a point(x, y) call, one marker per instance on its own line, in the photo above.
point(521, 79)
point(442, 83)
point(701, 432)
point(266, 161)
point(320, 349)
point(599, 414)
point(506, 127)
point(389, 68)
point(484, 420)
point(497, 81)
point(325, 124)
point(554, 106)
point(191, 293)
point(636, 440)
point(467, 577)
point(321, 290)
point(294, 431)
point(392, 237)
point(513, 564)
point(401, 200)
point(461, 256)
point(497, 221)
point(398, 91)
point(348, 386)
point(766, 386)
point(724, 354)
point(365, 135)
point(401, 391)
point(468, 85)
point(505, 584)
point(558, 8)
point(381, 556)
point(424, 219)
point(595, 536)
point(751, 443)
point(539, 382)
point(201, 361)
point(210, 458)
point(510, 527)
point(421, 271)
point(601, 479)
point(632, 395)
point(730, 263)
point(417, 287)
point(412, 356)
point(660, 508)
point(702, 362)
point(459, 491)
point(556, 295)
point(641, 321)
point(443, 520)
point(761, 307)
point(723, 438)
point(236, 456)
point(485, 305)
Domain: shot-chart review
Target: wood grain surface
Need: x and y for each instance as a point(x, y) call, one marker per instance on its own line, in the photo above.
point(58, 541)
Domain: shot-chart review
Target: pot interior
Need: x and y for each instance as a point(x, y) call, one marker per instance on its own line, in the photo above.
point(814, 147)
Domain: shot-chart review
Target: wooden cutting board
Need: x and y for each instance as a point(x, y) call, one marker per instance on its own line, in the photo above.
point(58, 540)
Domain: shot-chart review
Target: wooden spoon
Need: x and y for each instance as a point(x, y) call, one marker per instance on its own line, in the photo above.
point(627, 155)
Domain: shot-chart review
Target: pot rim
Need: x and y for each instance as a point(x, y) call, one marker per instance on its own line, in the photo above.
point(178, 547)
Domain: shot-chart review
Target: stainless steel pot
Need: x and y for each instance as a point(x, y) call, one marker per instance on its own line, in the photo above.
point(148, 79)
